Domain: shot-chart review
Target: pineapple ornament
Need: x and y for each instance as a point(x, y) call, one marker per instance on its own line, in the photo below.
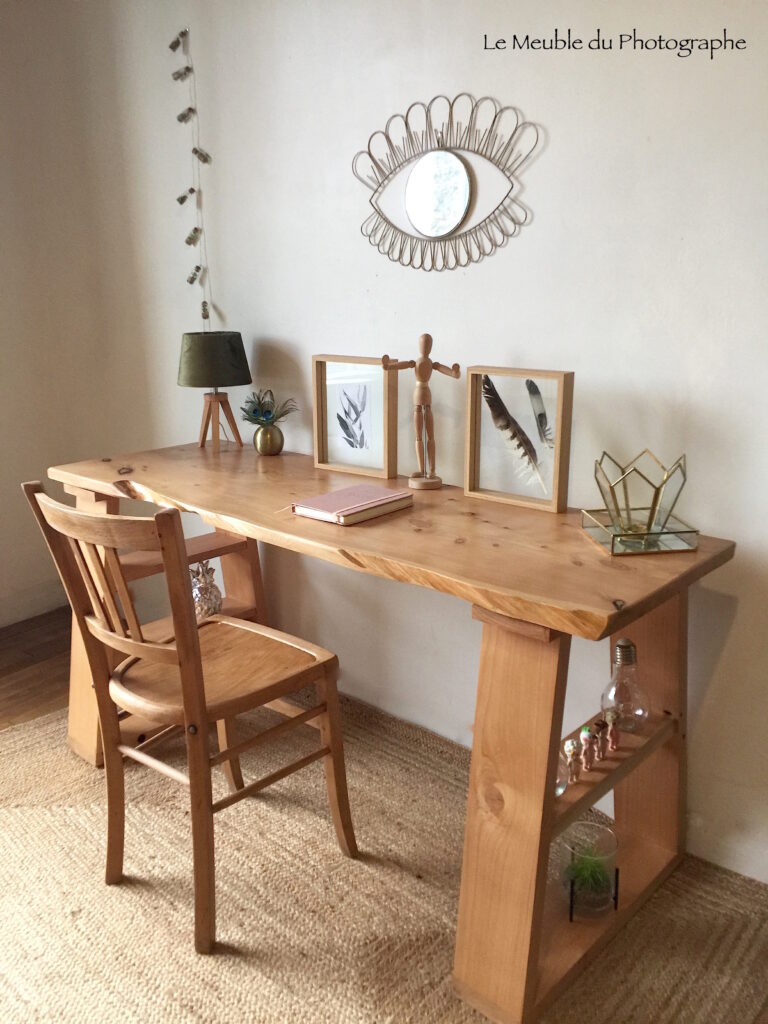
point(205, 593)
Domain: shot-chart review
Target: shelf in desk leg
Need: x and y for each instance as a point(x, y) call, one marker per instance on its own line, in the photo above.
point(568, 946)
point(634, 748)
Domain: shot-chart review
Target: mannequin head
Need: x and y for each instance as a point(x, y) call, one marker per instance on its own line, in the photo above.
point(425, 344)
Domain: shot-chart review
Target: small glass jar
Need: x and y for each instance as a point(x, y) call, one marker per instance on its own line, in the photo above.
point(561, 780)
point(588, 862)
point(624, 692)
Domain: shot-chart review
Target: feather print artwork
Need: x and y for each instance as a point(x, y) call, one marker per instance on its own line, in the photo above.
point(540, 414)
point(521, 446)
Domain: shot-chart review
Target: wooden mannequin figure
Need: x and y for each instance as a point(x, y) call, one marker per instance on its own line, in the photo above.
point(423, 421)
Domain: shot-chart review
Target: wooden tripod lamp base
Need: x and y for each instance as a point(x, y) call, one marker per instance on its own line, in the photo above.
point(214, 359)
point(216, 403)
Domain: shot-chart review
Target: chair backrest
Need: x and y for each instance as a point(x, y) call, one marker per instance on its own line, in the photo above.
point(86, 550)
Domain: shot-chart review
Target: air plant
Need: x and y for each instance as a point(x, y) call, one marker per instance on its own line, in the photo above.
point(589, 873)
point(262, 409)
point(352, 408)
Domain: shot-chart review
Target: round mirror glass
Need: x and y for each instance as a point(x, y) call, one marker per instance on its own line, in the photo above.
point(437, 193)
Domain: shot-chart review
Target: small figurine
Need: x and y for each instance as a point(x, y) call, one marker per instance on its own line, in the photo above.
point(587, 749)
point(612, 720)
point(423, 420)
point(601, 738)
point(571, 749)
point(205, 594)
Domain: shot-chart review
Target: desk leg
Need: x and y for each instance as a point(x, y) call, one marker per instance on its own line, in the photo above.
point(83, 725)
point(242, 580)
point(518, 721)
point(651, 800)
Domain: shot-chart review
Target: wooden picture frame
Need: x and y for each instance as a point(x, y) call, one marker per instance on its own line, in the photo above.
point(510, 477)
point(378, 457)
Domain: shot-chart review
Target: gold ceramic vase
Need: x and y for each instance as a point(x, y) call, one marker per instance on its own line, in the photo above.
point(268, 440)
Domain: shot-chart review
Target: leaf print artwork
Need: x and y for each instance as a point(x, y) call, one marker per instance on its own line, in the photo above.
point(351, 415)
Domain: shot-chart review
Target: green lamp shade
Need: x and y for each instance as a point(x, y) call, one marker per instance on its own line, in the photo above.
point(213, 359)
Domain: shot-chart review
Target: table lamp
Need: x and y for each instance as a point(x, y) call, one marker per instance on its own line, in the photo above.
point(214, 359)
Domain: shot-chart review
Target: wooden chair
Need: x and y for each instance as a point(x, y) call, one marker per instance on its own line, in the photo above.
point(200, 675)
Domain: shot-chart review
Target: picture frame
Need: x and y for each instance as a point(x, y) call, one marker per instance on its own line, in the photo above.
point(518, 436)
point(354, 415)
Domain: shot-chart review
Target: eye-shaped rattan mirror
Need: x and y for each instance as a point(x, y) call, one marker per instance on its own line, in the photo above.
point(445, 181)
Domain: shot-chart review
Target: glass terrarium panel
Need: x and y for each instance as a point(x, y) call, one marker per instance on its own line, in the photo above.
point(669, 494)
point(604, 485)
point(610, 466)
point(650, 467)
point(637, 493)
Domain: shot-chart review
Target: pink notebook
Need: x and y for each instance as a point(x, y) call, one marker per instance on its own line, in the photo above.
point(353, 504)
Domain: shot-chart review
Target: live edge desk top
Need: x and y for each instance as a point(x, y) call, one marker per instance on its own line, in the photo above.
point(525, 564)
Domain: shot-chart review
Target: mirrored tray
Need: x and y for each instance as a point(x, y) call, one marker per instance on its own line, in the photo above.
point(676, 536)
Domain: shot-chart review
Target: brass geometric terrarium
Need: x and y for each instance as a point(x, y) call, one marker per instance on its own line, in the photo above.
point(641, 495)
point(639, 499)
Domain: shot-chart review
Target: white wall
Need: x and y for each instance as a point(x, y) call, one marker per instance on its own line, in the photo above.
point(642, 271)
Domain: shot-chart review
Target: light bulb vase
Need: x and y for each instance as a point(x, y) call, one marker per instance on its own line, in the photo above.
point(624, 694)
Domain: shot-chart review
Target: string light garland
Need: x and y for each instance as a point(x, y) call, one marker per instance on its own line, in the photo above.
point(176, 42)
point(200, 274)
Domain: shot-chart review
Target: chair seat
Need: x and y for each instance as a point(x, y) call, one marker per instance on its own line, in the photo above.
point(244, 665)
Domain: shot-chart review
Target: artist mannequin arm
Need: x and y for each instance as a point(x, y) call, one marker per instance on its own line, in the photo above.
point(449, 371)
point(391, 364)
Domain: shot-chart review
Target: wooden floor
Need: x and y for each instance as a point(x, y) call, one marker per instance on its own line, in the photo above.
point(34, 666)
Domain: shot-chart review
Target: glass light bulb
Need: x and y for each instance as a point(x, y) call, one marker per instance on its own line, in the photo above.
point(626, 695)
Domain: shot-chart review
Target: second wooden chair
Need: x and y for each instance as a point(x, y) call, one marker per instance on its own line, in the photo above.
point(202, 674)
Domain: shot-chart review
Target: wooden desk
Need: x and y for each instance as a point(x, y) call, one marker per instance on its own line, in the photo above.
point(534, 579)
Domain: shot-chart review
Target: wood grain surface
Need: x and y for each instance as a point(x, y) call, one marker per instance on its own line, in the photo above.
point(519, 562)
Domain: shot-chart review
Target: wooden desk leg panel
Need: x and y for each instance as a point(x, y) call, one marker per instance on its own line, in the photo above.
point(242, 580)
point(518, 722)
point(651, 800)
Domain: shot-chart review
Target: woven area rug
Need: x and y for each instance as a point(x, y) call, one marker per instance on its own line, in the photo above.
point(307, 936)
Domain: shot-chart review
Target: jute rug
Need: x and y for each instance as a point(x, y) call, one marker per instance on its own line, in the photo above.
point(308, 937)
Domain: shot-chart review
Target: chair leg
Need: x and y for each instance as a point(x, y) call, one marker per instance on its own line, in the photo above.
point(114, 770)
point(335, 773)
point(225, 730)
point(201, 801)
